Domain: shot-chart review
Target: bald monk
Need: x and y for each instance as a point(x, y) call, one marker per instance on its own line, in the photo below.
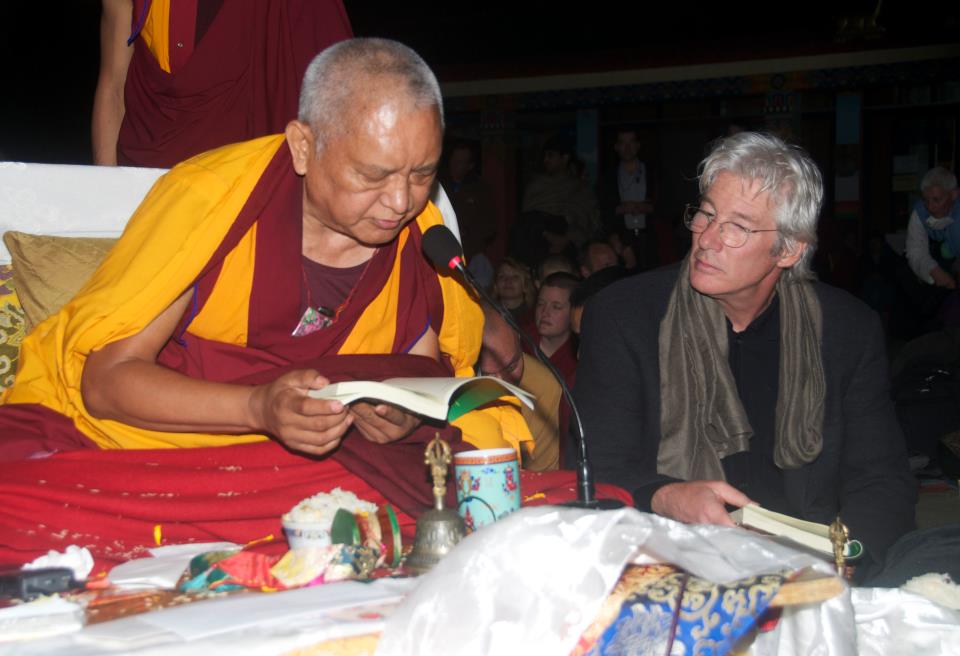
point(257, 272)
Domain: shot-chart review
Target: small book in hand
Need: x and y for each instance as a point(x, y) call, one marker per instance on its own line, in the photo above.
point(808, 534)
point(437, 398)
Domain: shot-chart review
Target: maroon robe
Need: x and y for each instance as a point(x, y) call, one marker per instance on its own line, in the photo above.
point(241, 81)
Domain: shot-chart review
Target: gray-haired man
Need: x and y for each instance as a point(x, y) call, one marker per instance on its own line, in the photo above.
point(734, 377)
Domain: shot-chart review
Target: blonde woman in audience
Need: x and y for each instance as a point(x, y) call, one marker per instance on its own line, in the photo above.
point(513, 287)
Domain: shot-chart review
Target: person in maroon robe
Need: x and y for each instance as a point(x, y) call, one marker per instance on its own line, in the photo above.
point(180, 78)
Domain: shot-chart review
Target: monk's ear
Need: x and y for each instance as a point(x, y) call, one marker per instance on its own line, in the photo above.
point(791, 254)
point(301, 143)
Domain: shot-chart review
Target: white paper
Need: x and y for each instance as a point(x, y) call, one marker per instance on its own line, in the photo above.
point(41, 617)
point(216, 616)
point(164, 568)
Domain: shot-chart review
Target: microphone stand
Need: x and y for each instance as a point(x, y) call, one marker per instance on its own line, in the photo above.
point(586, 497)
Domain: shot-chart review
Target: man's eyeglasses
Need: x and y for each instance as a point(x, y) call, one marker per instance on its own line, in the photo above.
point(732, 234)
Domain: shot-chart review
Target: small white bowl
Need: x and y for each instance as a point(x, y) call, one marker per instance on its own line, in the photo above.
point(304, 535)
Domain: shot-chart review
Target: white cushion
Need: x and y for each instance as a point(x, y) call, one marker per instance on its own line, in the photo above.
point(70, 200)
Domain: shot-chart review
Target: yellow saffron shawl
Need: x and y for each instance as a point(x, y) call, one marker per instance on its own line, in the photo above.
point(169, 239)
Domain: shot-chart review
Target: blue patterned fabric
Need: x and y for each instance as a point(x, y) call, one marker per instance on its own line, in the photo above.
point(681, 614)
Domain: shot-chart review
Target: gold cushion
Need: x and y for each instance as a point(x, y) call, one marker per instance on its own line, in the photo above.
point(48, 271)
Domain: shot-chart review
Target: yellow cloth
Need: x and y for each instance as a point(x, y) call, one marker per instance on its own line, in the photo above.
point(156, 32)
point(542, 453)
point(171, 236)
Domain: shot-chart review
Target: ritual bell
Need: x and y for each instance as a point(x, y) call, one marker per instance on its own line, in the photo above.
point(439, 529)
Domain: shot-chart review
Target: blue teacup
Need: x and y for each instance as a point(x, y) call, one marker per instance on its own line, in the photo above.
point(488, 485)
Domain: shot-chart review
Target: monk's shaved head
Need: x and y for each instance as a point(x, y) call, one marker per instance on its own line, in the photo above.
point(351, 79)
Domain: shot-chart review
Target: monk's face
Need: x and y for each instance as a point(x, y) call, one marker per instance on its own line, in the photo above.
point(375, 176)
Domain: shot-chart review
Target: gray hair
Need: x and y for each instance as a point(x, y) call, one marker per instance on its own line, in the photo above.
point(939, 177)
point(339, 73)
point(789, 174)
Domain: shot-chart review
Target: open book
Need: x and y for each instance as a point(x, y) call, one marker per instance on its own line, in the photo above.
point(430, 397)
point(809, 534)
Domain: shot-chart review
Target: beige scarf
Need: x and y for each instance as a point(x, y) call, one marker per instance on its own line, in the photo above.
point(701, 418)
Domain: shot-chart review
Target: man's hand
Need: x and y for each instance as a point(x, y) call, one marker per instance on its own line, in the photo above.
point(698, 502)
point(383, 423)
point(283, 409)
point(942, 279)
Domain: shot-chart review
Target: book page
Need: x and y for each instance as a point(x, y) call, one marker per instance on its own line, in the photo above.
point(353, 390)
point(429, 397)
point(444, 388)
point(810, 534)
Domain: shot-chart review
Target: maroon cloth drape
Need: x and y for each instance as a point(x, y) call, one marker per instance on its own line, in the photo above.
point(111, 501)
point(108, 499)
point(241, 81)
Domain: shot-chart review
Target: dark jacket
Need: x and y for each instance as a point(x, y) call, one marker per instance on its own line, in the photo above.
point(862, 472)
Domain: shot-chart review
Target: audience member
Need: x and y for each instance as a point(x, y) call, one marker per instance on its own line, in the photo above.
point(734, 377)
point(622, 241)
point(554, 264)
point(588, 288)
point(624, 196)
point(471, 198)
point(597, 255)
point(179, 78)
point(933, 230)
point(556, 236)
point(552, 333)
point(552, 323)
point(502, 356)
point(513, 288)
point(560, 191)
point(535, 236)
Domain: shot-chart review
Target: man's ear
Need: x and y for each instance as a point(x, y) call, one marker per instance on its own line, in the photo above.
point(790, 256)
point(300, 140)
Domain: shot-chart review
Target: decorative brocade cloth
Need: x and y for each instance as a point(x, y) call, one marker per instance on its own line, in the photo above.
point(12, 326)
point(660, 610)
point(702, 419)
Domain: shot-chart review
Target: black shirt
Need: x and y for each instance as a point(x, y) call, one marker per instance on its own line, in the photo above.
point(754, 357)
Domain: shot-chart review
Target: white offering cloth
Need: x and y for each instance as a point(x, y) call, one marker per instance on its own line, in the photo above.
point(533, 582)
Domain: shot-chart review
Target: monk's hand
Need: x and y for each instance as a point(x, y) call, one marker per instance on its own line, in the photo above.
point(383, 423)
point(698, 502)
point(283, 409)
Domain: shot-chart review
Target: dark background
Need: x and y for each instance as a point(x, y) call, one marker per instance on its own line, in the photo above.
point(50, 49)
